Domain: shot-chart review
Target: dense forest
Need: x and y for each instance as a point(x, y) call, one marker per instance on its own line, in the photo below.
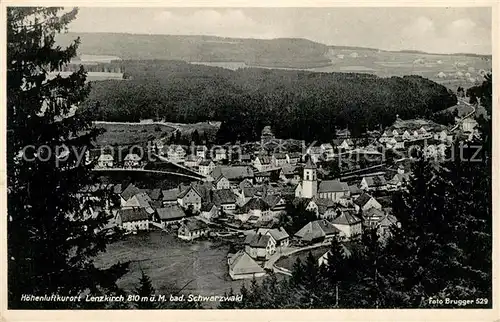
point(298, 104)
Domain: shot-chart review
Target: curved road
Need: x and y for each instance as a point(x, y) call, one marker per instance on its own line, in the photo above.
point(149, 171)
point(466, 116)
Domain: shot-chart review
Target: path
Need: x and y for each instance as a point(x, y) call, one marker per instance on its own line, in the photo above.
point(466, 116)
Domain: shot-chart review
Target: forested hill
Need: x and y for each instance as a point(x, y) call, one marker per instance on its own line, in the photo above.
point(281, 52)
point(297, 104)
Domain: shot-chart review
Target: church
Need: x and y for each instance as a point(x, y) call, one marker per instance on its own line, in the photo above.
point(327, 189)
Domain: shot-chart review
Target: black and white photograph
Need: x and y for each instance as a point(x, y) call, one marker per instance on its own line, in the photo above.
point(226, 158)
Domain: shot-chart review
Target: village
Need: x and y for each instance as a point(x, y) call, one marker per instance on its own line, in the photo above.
point(242, 197)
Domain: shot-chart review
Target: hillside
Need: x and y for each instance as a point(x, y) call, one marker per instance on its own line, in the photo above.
point(298, 104)
point(283, 52)
point(451, 70)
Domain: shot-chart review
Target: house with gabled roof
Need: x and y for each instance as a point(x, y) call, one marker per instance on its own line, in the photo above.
point(190, 197)
point(399, 181)
point(220, 154)
point(294, 157)
point(242, 266)
point(262, 163)
point(133, 219)
point(372, 216)
point(206, 167)
point(365, 202)
point(355, 191)
point(279, 159)
point(259, 246)
point(348, 223)
point(224, 199)
point(176, 154)
point(201, 151)
point(323, 205)
point(254, 207)
point(221, 183)
point(132, 160)
point(130, 191)
point(317, 231)
point(170, 214)
point(140, 200)
point(209, 211)
point(275, 202)
point(191, 229)
point(235, 174)
point(169, 196)
point(105, 161)
point(373, 183)
point(278, 234)
point(192, 161)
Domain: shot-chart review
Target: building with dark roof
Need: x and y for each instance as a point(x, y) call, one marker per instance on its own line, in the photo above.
point(349, 224)
point(259, 246)
point(133, 219)
point(333, 190)
point(317, 231)
point(224, 198)
point(191, 229)
point(170, 214)
point(242, 266)
point(374, 183)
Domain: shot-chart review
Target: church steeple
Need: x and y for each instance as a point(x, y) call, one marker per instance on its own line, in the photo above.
point(309, 179)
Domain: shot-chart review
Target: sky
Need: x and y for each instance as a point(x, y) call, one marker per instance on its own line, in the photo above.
point(436, 30)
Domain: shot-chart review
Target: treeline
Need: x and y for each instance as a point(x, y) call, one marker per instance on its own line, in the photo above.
point(298, 104)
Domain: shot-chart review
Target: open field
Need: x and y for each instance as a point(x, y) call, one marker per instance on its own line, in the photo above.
point(133, 133)
point(449, 70)
point(200, 266)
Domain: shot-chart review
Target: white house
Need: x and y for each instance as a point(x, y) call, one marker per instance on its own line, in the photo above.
point(262, 163)
point(176, 154)
point(349, 224)
point(242, 266)
point(365, 202)
point(133, 219)
point(260, 246)
point(105, 161)
point(132, 160)
point(280, 159)
point(201, 151)
point(206, 167)
point(221, 183)
point(192, 229)
point(190, 197)
point(220, 154)
point(373, 183)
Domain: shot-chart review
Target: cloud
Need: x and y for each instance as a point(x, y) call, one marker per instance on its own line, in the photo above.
point(228, 23)
point(459, 35)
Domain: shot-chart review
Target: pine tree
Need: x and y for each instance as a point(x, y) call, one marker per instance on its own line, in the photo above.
point(52, 240)
point(195, 137)
point(145, 291)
